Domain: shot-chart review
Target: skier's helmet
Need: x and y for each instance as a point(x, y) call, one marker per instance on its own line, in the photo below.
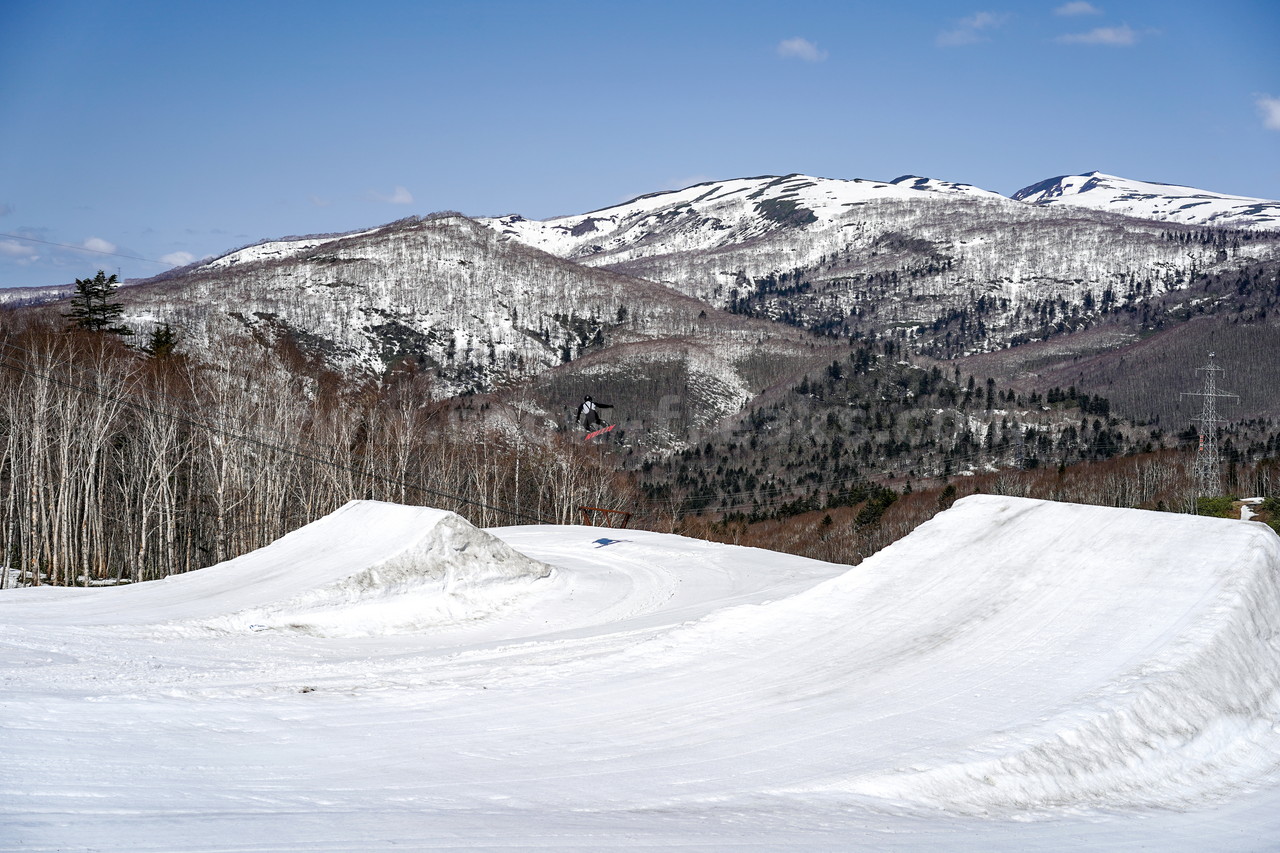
point(587, 398)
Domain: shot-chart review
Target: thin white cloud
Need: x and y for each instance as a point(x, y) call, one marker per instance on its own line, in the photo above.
point(399, 195)
point(1269, 108)
point(97, 244)
point(800, 48)
point(1121, 36)
point(317, 201)
point(20, 252)
point(178, 259)
point(1078, 7)
point(972, 30)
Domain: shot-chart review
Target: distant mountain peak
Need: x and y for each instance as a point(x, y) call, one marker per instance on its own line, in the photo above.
point(916, 182)
point(1152, 200)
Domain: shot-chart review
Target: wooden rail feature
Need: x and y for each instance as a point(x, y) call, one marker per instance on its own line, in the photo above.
point(617, 518)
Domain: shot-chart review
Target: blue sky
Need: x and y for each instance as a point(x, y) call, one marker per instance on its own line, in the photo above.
point(171, 131)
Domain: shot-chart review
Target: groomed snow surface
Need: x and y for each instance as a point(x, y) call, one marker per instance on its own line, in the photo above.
point(1014, 675)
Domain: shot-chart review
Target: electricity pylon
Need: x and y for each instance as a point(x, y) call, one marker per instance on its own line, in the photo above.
point(1208, 466)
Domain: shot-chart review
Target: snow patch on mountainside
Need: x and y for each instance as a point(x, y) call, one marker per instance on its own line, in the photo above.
point(1150, 200)
point(275, 250)
point(934, 185)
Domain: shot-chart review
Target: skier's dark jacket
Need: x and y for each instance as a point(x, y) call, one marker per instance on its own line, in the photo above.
point(588, 414)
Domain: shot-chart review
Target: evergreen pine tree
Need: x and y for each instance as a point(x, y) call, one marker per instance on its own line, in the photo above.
point(93, 308)
point(161, 342)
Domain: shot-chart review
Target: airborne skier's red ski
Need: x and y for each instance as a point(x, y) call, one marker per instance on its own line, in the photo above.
point(592, 435)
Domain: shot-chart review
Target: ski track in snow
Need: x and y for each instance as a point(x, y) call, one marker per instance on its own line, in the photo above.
point(1014, 675)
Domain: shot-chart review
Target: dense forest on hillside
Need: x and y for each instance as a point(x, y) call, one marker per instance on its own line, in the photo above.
point(975, 319)
point(874, 420)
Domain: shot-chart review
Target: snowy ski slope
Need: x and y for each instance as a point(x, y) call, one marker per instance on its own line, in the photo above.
point(1015, 675)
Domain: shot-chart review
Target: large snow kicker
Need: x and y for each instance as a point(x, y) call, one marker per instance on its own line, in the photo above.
point(1040, 655)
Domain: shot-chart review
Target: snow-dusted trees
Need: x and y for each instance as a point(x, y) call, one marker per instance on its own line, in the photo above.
point(58, 473)
point(114, 466)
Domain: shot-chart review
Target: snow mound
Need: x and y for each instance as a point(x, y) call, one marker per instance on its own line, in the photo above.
point(1014, 675)
point(1049, 656)
point(366, 569)
point(442, 572)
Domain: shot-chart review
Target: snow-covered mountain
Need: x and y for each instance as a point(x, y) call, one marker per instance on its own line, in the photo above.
point(709, 217)
point(453, 299)
point(701, 217)
point(716, 214)
point(710, 287)
point(14, 296)
point(856, 257)
point(1150, 200)
point(713, 215)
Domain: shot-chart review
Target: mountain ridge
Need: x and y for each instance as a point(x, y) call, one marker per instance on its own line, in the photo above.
point(794, 325)
point(726, 286)
point(1057, 190)
point(968, 269)
point(1161, 202)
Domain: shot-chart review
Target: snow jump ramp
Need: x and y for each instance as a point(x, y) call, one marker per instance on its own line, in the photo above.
point(1021, 654)
point(367, 568)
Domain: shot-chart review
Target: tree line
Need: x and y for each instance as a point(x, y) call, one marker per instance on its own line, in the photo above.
point(118, 464)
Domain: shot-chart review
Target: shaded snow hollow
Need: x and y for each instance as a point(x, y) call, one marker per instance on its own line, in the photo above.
point(1013, 675)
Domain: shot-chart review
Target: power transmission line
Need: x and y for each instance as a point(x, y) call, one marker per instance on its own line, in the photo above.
point(87, 249)
point(1208, 463)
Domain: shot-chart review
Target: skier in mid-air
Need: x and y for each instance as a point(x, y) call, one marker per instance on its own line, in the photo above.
point(589, 413)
